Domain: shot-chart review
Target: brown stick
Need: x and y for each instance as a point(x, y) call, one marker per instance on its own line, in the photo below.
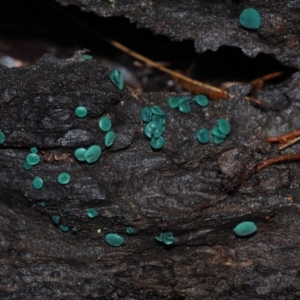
point(278, 159)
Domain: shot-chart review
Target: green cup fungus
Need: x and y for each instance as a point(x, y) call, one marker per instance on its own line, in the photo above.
point(63, 178)
point(224, 126)
point(42, 204)
point(221, 131)
point(250, 18)
point(217, 140)
point(156, 119)
point(154, 129)
point(2, 138)
point(79, 154)
point(32, 159)
point(157, 110)
point(92, 154)
point(117, 79)
point(105, 124)
point(34, 150)
point(129, 230)
point(55, 219)
point(37, 183)
point(217, 133)
point(26, 166)
point(146, 114)
point(64, 228)
point(157, 143)
point(81, 111)
point(203, 136)
point(184, 108)
point(167, 238)
point(245, 228)
point(201, 100)
point(91, 213)
point(86, 56)
point(114, 239)
point(109, 138)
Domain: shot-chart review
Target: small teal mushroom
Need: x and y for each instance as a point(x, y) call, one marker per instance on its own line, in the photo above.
point(32, 159)
point(64, 178)
point(114, 239)
point(109, 138)
point(203, 136)
point(81, 111)
point(117, 79)
point(92, 154)
point(105, 124)
point(79, 154)
point(146, 114)
point(245, 228)
point(92, 213)
point(37, 183)
point(250, 18)
point(2, 137)
point(201, 100)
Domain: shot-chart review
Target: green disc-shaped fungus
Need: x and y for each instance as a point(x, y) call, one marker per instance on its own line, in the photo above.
point(64, 228)
point(159, 119)
point(184, 108)
point(153, 129)
point(174, 101)
point(105, 124)
point(168, 238)
point(34, 150)
point(201, 100)
point(55, 219)
point(92, 213)
point(42, 204)
point(86, 56)
point(224, 126)
point(157, 143)
point(64, 178)
point(129, 230)
point(37, 183)
point(250, 18)
point(217, 140)
point(109, 138)
point(160, 238)
point(245, 228)
point(117, 79)
point(114, 239)
point(92, 154)
point(79, 154)
point(2, 137)
point(32, 159)
point(81, 111)
point(216, 132)
point(146, 114)
point(26, 166)
point(157, 110)
point(203, 136)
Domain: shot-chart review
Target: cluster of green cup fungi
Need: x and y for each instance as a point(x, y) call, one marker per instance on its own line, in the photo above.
point(33, 159)
point(155, 118)
point(219, 132)
point(167, 238)
point(62, 227)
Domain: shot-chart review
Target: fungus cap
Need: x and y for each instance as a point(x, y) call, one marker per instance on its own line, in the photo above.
point(92, 154)
point(203, 136)
point(201, 100)
point(250, 18)
point(79, 154)
point(224, 126)
point(117, 79)
point(146, 114)
point(64, 178)
point(64, 228)
point(81, 111)
point(37, 183)
point(157, 143)
point(92, 213)
point(32, 159)
point(55, 219)
point(184, 108)
point(245, 228)
point(114, 239)
point(2, 137)
point(109, 138)
point(157, 110)
point(105, 124)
